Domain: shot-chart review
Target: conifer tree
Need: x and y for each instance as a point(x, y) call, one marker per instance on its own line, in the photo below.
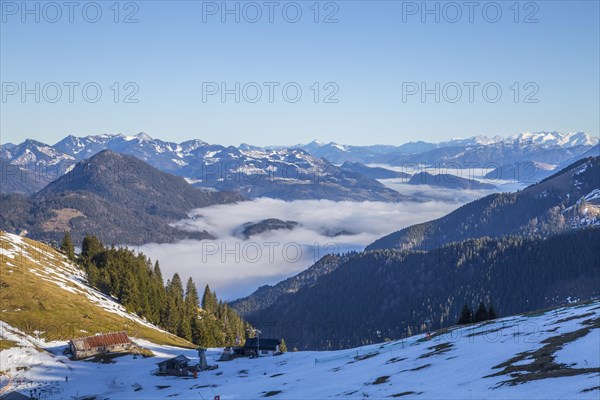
point(481, 313)
point(491, 313)
point(90, 247)
point(192, 301)
point(67, 246)
point(466, 315)
point(209, 303)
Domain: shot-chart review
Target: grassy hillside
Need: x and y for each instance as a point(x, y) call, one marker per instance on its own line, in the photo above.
point(44, 295)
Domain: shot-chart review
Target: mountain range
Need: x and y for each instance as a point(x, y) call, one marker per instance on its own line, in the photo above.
point(529, 249)
point(289, 174)
point(312, 171)
point(117, 197)
point(540, 209)
point(448, 181)
point(528, 146)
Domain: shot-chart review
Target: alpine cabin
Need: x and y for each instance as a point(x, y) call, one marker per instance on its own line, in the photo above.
point(107, 343)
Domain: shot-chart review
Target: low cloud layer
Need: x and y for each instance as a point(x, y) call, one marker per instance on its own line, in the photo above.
point(235, 266)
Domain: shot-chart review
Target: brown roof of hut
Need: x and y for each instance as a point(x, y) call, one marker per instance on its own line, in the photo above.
point(104, 340)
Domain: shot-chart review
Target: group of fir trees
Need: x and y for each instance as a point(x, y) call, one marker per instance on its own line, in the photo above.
point(481, 314)
point(138, 284)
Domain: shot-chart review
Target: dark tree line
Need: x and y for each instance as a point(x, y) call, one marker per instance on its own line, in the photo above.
point(483, 313)
point(138, 285)
point(396, 292)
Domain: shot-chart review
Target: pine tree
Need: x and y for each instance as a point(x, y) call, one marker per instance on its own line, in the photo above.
point(178, 321)
point(491, 313)
point(67, 246)
point(209, 303)
point(158, 273)
point(481, 313)
point(91, 247)
point(191, 297)
point(466, 315)
point(192, 302)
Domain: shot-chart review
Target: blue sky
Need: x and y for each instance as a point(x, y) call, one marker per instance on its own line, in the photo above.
point(369, 55)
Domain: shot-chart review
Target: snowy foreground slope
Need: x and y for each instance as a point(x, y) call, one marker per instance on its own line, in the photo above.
point(549, 355)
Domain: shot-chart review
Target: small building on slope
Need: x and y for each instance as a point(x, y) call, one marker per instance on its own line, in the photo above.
point(261, 347)
point(106, 343)
point(176, 366)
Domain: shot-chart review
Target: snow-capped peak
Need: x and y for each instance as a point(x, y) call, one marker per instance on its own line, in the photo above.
point(143, 136)
point(544, 138)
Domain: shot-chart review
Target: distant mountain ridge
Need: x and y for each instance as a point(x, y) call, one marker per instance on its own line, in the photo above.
point(307, 171)
point(16, 179)
point(541, 209)
point(510, 149)
point(448, 181)
point(374, 172)
point(288, 174)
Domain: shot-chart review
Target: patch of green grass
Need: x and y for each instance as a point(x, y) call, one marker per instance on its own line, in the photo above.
point(395, 360)
point(574, 317)
point(590, 389)
point(366, 356)
point(417, 368)
point(543, 365)
point(7, 344)
point(380, 380)
point(272, 393)
point(437, 350)
point(404, 394)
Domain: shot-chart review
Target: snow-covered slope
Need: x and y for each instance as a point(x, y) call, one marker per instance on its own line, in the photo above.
point(522, 143)
point(549, 139)
point(547, 355)
point(38, 157)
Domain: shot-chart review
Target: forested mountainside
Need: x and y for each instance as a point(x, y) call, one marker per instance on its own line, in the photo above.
point(392, 293)
point(542, 209)
point(266, 295)
point(119, 198)
point(448, 181)
point(16, 179)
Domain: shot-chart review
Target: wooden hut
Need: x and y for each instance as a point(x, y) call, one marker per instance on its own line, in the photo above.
point(176, 366)
point(107, 343)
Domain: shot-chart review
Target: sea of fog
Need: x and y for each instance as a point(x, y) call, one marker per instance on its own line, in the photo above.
point(235, 266)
